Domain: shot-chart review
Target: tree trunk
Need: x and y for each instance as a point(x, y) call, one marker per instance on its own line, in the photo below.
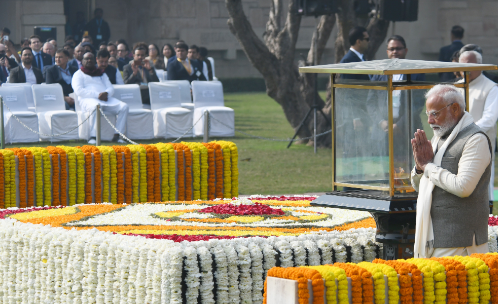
point(274, 59)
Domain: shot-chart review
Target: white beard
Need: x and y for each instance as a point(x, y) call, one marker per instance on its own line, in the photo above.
point(443, 129)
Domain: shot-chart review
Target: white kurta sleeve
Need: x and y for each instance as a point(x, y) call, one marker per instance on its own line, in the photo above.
point(416, 179)
point(475, 158)
point(109, 88)
point(78, 84)
point(490, 113)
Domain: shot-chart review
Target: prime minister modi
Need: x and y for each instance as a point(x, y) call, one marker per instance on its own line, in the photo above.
point(451, 177)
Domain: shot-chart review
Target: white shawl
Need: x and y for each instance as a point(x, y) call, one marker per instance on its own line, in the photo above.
point(424, 233)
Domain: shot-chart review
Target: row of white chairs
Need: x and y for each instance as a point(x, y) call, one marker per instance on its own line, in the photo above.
point(172, 112)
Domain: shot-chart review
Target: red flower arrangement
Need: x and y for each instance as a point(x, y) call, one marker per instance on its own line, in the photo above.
point(256, 209)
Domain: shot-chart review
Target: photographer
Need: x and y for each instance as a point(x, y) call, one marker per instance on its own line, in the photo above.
point(140, 71)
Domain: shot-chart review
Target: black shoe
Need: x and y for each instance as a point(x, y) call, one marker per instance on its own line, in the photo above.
point(115, 138)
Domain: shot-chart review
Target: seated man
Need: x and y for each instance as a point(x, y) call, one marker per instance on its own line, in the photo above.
point(26, 73)
point(92, 86)
point(62, 73)
point(122, 53)
point(200, 67)
point(182, 68)
point(140, 71)
point(111, 72)
point(79, 51)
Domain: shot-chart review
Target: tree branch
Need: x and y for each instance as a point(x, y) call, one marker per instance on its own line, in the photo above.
point(377, 30)
point(325, 27)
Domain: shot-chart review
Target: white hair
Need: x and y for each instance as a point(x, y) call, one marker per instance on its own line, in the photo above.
point(49, 44)
point(476, 54)
point(448, 93)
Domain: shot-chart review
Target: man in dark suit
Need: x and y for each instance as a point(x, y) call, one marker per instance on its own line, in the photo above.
point(140, 71)
point(98, 28)
point(122, 51)
point(446, 52)
point(26, 73)
point(62, 73)
point(79, 51)
point(200, 68)
point(358, 38)
point(182, 68)
point(111, 72)
point(40, 59)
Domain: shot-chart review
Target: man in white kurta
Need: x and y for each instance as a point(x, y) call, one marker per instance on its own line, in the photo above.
point(93, 87)
point(451, 177)
point(483, 105)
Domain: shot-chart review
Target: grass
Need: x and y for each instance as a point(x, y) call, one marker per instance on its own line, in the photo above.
point(266, 167)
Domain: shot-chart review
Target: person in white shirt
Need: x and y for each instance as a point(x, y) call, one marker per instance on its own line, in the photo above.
point(483, 105)
point(451, 177)
point(26, 72)
point(92, 86)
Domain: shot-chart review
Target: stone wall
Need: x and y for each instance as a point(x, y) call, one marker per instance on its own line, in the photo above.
point(204, 22)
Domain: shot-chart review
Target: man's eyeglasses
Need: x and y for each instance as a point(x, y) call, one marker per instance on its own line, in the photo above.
point(395, 49)
point(435, 114)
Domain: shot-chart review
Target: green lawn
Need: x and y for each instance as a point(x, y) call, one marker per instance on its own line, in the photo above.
point(266, 167)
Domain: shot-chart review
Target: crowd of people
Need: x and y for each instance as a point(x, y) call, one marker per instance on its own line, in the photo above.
point(89, 53)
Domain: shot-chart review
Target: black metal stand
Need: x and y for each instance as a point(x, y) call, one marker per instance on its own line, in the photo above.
point(314, 107)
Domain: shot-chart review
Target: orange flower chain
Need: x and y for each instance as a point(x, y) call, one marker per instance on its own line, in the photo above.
point(444, 280)
point(63, 176)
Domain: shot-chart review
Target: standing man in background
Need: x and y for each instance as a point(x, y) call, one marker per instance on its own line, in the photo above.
point(483, 105)
point(446, 52)
point(358, 38)
point(98, 28)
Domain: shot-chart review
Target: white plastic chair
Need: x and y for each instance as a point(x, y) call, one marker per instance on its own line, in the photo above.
point(106, 131)
point(211, 59)
point(208, 96)
point(185, 93)
point(139, 122)
point(14, 97)
point(29, 93)
point(53, 118)
point(170, 119)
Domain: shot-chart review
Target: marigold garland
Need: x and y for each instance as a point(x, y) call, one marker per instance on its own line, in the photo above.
point(30, 172)
point(106, 173)
point(491, 261)
point(38, 175)
point(2, 183)
point(302, 275)
point(227, 170)
point(97, 165)
point(151, 168)
point(136, 173)
point(234, 154)
point(124, 174)
point(180, 175)
point(9, 165)
point(56, 188)
point(22, 176)
point(167, 155)
point(139, 172)
point(211, 171)
point(71, 174)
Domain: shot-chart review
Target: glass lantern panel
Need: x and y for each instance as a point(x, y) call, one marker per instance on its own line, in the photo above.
point(361, 156)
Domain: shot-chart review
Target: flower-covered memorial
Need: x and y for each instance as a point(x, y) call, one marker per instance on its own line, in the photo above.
point(212, 251)
point(170, 252)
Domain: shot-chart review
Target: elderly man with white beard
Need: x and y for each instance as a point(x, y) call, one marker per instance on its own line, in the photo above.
point(483, 106)
point(451, 177)
point(92, 86)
